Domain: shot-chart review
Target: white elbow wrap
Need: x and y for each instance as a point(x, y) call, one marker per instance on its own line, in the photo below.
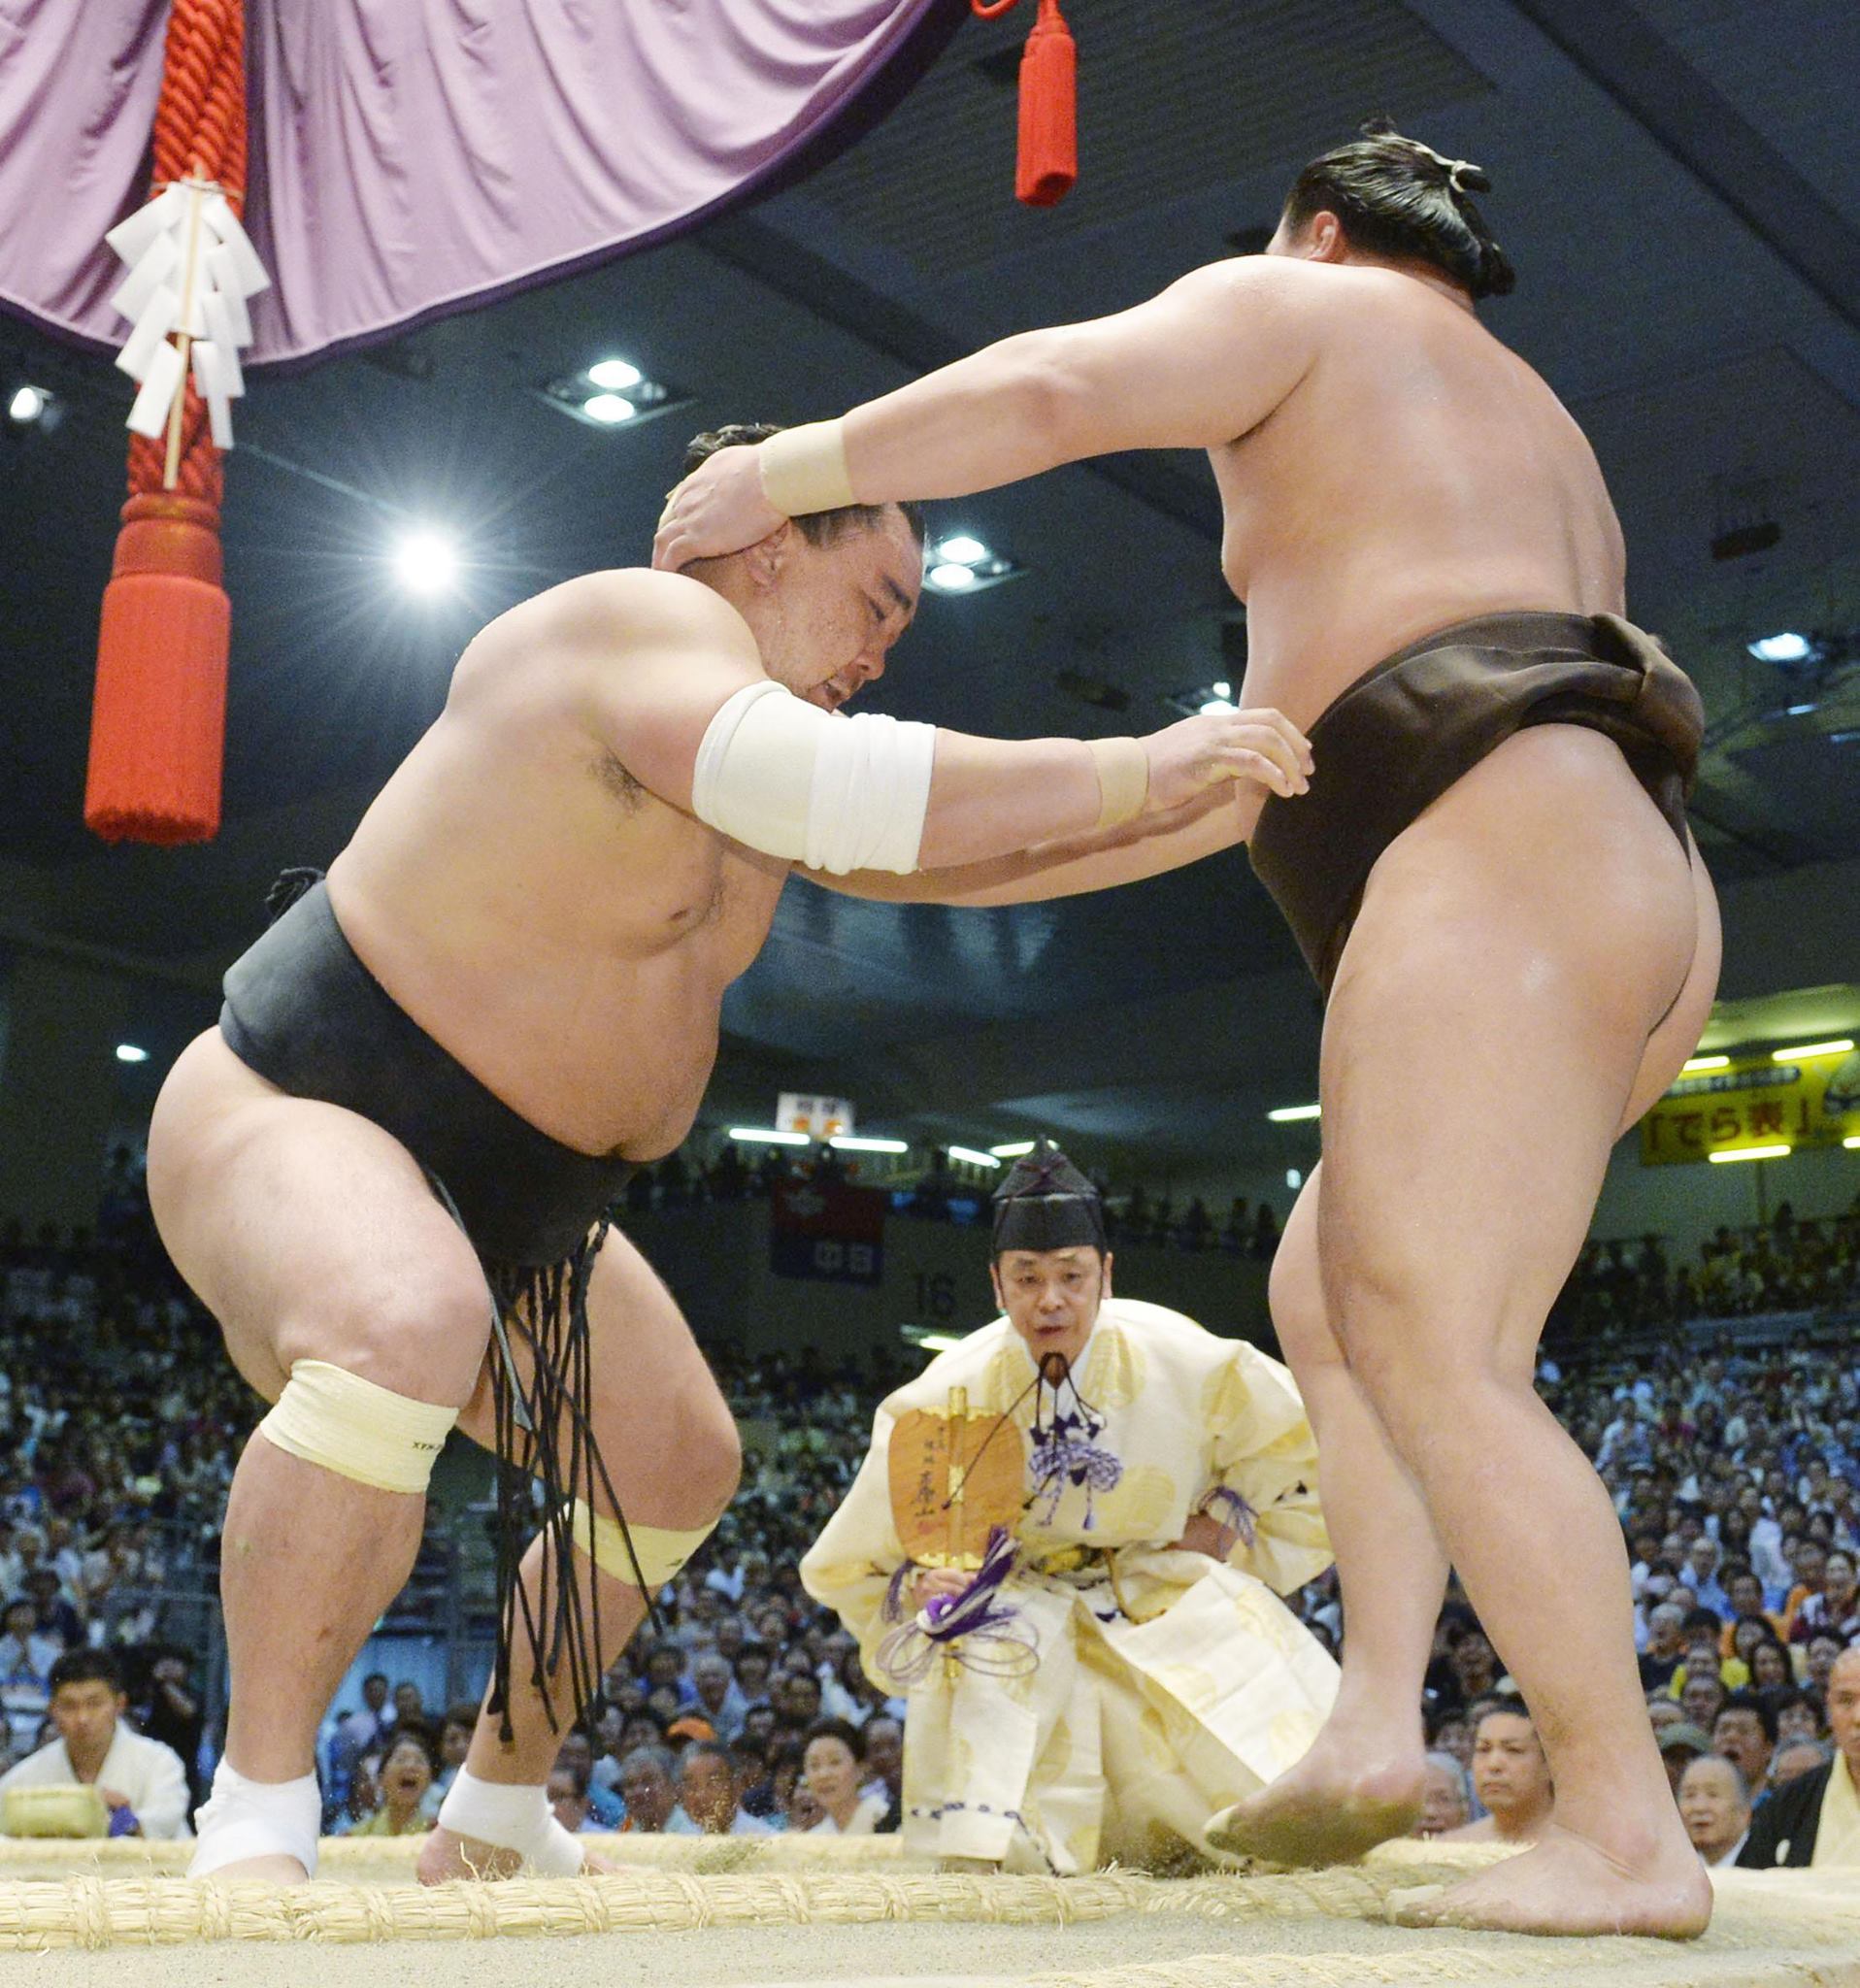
point(357, 1428)
point(832, 792)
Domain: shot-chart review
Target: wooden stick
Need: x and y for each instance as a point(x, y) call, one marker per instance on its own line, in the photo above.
point(196, 192)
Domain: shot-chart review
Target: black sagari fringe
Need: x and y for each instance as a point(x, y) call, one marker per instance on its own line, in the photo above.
point(545, 1444)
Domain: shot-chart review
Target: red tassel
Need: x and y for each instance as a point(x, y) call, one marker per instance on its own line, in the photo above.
point(159, 722)
point(1048, 158)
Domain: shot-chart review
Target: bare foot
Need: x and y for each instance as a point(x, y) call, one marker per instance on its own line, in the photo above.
point(260, 1869)
point(446, 1856)
point(1338, 1802)
point(1566, 1884)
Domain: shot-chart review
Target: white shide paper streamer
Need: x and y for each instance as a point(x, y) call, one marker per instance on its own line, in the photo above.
point(191, 267)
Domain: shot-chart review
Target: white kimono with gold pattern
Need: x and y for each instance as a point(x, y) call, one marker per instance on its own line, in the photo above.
point(1160, 1696)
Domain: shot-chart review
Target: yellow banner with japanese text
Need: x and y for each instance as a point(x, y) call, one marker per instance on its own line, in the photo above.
point(1755, 1101)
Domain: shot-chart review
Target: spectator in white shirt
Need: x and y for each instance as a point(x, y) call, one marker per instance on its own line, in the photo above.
point(142, 1781)
point(1714, 1804)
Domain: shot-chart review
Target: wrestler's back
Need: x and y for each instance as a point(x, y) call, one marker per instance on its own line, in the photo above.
point(1419, 475)
point(563, 933)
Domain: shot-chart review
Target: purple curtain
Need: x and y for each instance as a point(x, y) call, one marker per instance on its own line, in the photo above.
point(411, 156)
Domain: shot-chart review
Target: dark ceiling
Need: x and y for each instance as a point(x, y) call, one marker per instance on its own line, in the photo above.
point(1677, 185)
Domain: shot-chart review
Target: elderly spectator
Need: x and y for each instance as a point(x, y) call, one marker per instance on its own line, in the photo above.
point(1511, 1777)
point(719, 1698)
point(143, 1782)
point(708, 1793)
point(1714, 1804)
point(650, 1789)
point(1814, 1819)
point(1446, 1796)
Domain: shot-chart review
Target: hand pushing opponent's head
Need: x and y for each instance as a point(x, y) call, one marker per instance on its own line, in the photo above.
point(825, 595)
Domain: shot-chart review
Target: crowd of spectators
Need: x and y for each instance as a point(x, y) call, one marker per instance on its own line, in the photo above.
point(945, 1193)
point(120, 1423)
point(1735, 1469)
point(1781, 1265)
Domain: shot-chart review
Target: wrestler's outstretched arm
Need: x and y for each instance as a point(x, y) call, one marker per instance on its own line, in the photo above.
point(1067, 866)
point(1195, 367)
point(672, 683)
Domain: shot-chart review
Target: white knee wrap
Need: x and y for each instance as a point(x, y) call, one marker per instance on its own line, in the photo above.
point(832, 792)
point(361, 1430)
point(661, 1552)
point(244, 1818)
point(509, 1818)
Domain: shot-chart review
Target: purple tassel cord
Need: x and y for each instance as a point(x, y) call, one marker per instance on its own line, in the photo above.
point(976, 1627)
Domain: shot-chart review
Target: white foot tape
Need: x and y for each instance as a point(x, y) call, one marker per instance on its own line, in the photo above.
point(510, 1818)
point(242, 1819)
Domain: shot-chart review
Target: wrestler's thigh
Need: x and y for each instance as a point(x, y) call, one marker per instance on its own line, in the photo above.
point(309, 1232)
point(1516, 947)
point(1295, 1289)
point(665, 1432)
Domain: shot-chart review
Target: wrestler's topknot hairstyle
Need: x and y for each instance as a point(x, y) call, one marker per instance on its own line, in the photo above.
point(817, 527)
point(1400, 198)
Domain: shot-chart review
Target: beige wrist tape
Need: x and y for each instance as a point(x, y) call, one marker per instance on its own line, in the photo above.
point(1123, 780)
point(357, 1428)
point(805, 469)
point(660, 1552)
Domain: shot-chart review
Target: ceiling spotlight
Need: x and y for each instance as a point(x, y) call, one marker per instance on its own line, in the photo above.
point(845, 1142)
point(1215, 704)
point(951, 578)
point(1781, 648)
point(615, 375)
point(425, 562)
point(1013, 1151)
point(1693, 1064)
point(27, 404)
point(1224, 690)
point(129, 1052)
point(968, 1155)
point(963, 551)
point(760, 1135)
point(608, 407)
point(1799, 710)
point(1292, 1115)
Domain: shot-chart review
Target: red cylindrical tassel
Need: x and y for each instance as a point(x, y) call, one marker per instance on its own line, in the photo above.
point(1048, 158)
point(159, 722)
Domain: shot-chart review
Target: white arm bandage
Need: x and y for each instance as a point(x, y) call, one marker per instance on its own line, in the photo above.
point(832, 792)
